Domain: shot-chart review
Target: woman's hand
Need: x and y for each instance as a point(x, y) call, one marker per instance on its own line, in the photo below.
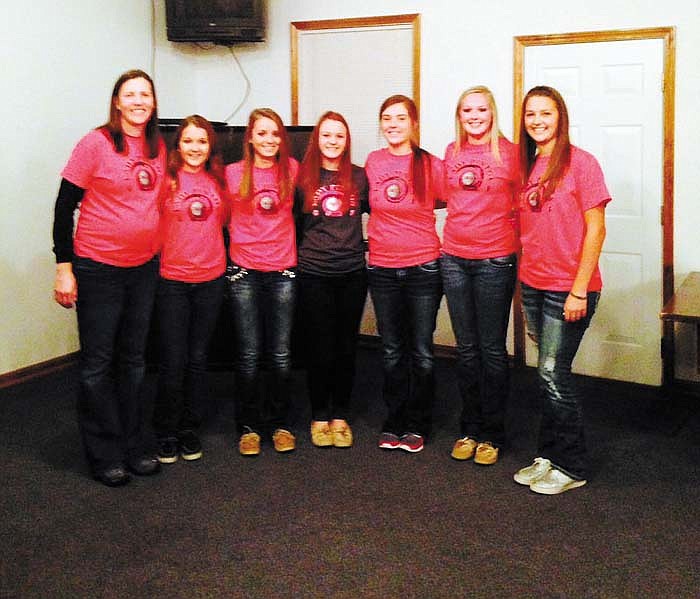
point(574, 308)
point(65, 287)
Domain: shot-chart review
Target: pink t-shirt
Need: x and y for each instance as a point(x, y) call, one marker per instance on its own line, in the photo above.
point(192, 220)
point(118, 222)
point(480, 195)
point(262, 228)
point(552, 230)
point(401, 230)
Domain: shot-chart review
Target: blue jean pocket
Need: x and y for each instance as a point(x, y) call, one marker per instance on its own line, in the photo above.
point(88, 266)
point(503, 261)
point(235, 273)
point(432, 267)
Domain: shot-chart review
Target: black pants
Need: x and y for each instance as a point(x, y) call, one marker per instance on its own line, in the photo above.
point(406, 302)
point(330, 309)
point(114, 312)
point(187, 315)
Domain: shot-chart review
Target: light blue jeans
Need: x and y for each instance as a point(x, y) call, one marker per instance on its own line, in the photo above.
point(561, 437)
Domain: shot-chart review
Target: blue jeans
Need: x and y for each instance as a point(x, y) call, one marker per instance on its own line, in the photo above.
point(114, 312)
point(406, 301)
point(330, 310)
point(187, 314)
point(262, 306)
point(479, 294)
point(561, 437)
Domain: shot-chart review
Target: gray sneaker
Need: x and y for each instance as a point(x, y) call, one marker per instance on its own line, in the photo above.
point(527, 476)
point(555, 482)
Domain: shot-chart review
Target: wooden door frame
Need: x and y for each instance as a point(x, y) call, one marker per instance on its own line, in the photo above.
point(359, 22)
point(668, 35)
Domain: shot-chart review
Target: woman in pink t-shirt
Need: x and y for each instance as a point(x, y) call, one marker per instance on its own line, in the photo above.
point(403, 271)
point(191, 285)
point(109, 271)
point(262, 279)
point(478, 268)
point(562, 221)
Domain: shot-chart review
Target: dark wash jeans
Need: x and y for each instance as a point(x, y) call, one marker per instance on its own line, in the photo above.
point(187, 314)
point(330, 310)
point(114, 312)
point(479, 294)
point(561, 437)
point(262, 305)
point(406, 301)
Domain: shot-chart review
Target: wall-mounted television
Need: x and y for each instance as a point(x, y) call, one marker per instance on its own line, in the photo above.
point(220, 21)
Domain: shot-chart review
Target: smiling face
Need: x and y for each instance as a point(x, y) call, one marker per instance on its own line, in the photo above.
point(194, 148)
point(541, 119)
point(332, 141)
point(265, 139)
point(476, 118)
point(135, 103)
point(397, 128)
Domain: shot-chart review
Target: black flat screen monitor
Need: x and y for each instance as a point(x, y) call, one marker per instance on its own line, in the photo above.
point(223, 22)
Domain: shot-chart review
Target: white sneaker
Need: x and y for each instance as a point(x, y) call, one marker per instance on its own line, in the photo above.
point(555, 482)
point(527, 476)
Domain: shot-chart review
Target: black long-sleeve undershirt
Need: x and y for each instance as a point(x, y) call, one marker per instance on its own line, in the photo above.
point(69, 196)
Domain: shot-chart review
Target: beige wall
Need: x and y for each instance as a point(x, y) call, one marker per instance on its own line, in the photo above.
point(60, 61)
point(463, 42)
point(60, 69)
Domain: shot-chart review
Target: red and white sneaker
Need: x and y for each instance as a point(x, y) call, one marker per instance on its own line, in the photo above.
point(388, 441)
point(411, 442)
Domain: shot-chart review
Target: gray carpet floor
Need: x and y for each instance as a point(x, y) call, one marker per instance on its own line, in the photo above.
point(360, 522)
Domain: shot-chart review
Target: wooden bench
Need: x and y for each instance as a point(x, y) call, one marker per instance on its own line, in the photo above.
point(684, 306)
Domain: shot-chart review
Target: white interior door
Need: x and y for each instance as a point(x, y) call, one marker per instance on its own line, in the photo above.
point(613, 91)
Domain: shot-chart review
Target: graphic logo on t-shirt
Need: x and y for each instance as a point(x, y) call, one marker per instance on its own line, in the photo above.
point(471, 176)
point(331, 199)
point(198, 206)
point(394, 189)
point(267, 201)
point(144, 175)
point(467, 175)
point(532, 197)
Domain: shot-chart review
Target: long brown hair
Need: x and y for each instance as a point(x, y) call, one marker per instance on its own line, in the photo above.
point(284, 176)
point(561, 153)
point(310, 171)
point(113, 127)
point(214, 164)
point(420, 159)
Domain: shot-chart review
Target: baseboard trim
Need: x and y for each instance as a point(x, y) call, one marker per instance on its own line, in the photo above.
point(37, 370)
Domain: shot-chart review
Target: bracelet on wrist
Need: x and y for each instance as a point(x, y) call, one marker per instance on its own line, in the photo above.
point(578, 297)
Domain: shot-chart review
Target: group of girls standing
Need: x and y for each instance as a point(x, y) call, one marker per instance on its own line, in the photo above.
point(296, 248)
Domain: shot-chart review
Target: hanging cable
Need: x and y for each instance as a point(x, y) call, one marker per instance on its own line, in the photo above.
point(153, 40)
point(247, 86)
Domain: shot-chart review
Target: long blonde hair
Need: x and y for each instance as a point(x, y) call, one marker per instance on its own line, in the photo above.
point(461, 134)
